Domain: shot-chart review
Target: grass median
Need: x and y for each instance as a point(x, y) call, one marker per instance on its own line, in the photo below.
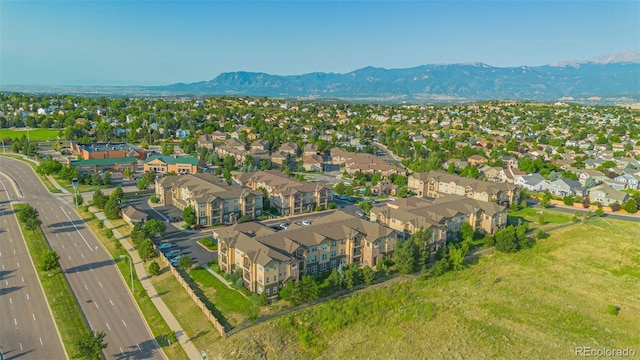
point(158, 326)
point(65, 309)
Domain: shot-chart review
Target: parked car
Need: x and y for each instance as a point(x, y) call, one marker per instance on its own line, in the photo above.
point(164, 246)
point(306, 222)
point(174, 261)
point(392, 198)
point(172, 253)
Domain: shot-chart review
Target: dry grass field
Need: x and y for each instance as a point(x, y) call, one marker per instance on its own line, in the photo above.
point(537, 304)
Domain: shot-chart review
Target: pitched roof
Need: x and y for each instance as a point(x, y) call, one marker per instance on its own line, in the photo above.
point(132, 213)
point(104, 162)
point(191, 160)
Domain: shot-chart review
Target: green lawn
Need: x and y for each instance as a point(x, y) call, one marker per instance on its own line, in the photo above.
point(65, 309)
point(233, 306)
point(551, 218)
point(34, 134)
point(539, 303)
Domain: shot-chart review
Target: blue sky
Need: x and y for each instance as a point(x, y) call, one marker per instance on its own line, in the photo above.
point(163, 42)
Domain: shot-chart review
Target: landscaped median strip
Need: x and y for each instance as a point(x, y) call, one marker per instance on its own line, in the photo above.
point(65, 309)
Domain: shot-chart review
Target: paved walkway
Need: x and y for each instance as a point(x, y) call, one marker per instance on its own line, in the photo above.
point(141, 272)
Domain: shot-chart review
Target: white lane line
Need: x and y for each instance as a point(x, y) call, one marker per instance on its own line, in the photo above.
point(85, 286)
point(75, 244)
point(10, 300)
point(96, 304)
point(57, 236)
point(111, 302)
point(14, 251)
point(90, 268)
point(1, 255)
point(23, 279)
point(18, 263)
point(41, 341)
point(74, 225)
point(6, 282)
point(15, 321)
point(46, 218)
point(81, 254)
point(138, 345)
point(69, 256)
point(62, 245)
point(28, 297)
point(108, 327)
point(51, 209)
point(122, 352)
point(20, 346)
point(34, 317)
point(10, 240)
point(125, 324)
point(99, 283)
point(2, 266)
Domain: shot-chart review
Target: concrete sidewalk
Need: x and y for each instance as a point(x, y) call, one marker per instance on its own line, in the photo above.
point(143, 276)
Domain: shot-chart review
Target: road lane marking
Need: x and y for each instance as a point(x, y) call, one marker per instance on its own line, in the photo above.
point(138, 345)
point(125, 324)
point(2, 266)
point(14, 251)
point(108, 327)
point(81, 254)
point(111, 301)
point(20, 346)
point(99, 283)
point(96, 304)
point(10, 240)
point(28, 297)
point(18, 263)
point(46, 218)
point(62, 245)
point(122, 352)
point(75, 244)
point(34, 317)
point(69, 256)
point(10, 300)
point(15, 321)
point(6, 282)
point(90, 268)
point(85, 286)
point(23, 279)
point(41, 341)
point(57, 236)
point(74, 225)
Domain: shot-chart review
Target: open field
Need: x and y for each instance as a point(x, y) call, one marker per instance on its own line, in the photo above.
point(540, 303)
point(34, 134)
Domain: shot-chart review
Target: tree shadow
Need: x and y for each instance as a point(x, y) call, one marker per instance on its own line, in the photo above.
point(18, 355)
point(144, 350)
point(93, 265)
point(8, 290)
point(4, 273)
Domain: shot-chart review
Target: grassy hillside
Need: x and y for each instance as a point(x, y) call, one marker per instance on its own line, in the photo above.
point(539, 303)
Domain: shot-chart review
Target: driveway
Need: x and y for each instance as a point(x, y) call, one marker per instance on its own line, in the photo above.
point(186, 241)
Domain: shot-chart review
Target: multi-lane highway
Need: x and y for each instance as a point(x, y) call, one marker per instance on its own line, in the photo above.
point(27, 330)
point(103, 296)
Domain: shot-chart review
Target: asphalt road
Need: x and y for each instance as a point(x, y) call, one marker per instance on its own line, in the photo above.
point(27, 328)
point(102, 294)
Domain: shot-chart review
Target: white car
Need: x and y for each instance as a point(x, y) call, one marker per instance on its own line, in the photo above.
point(306, 222)
point(392, 198)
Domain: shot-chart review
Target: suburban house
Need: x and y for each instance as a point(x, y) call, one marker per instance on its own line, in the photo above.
point(107, 150)
point(312, 162)
point(267, 259)
point(286, 195)
point(606, 195)
point(491, 173)
point(436, 184)
point(630, 181)
point(133, 216)
point(509, 174)
point(289, 148)
point(179, 164)
point(385, 187)
point(584, 174)
point(364, 163)
point(476, 160)
point(213, 200)
point(444, 216)
point(566, 187)
point(310, 149)
point(112, 164)
point(533, 182)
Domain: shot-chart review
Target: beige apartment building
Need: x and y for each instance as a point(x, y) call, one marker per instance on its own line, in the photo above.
point(214, 201)
point(287, 195)
point(436, 184)
point(364, 163)
point(444, 216)
point(268, 258)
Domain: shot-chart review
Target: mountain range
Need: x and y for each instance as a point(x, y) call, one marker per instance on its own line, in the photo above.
point(609, 76)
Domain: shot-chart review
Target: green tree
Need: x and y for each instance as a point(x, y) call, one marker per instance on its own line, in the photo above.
point(185, 262)
point(90, 345)
point(29, 212)
point(599, 212)
point(112, 209)
point(456, 257)
point(117, 194)
point(142, 184)
point(368, 275)
point(466, 231)
point(405, 256)
point(50, 261)
point(154, 268)
point(546, 199)
point(78, 199)
point(127, 173)
point(146, 250)
point(335, 279)
point(99, 199)
point(32, 223)
point(630, 206)
point(155, 227)
point(309, 289)
point(189, 215)
point(506, 240)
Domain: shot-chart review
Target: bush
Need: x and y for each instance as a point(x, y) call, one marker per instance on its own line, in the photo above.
point(489, 240)
point(600, 212)
point(108, 233)
point(100, 224)
point(568, 200)
point(154, 199)
point(612, 309)
point(154, 268)
point(541, 235)
point(615, 206)
point(171, 337)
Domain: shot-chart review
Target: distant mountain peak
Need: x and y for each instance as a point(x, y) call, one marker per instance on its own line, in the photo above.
point(619, 57)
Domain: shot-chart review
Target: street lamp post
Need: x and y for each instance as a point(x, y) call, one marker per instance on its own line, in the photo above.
point(130, 268)
point(75, 191)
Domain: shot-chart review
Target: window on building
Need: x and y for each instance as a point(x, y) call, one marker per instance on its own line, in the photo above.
point(314, 269)
point(333, 243)
point(333, 263)
point(342, 252)
point(314, 248)
point(267, 291)
point(275, 289)
point(324, 246)
point(323, 267)
point(260, 279)
point(324, 257)
point(275, 278)
point(333, 253)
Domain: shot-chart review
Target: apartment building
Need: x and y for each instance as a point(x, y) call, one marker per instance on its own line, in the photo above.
point(267, 258)
point(214, 201)
point(435, 184)
point(287, 195)
point(364, 163)
point(444, 216)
